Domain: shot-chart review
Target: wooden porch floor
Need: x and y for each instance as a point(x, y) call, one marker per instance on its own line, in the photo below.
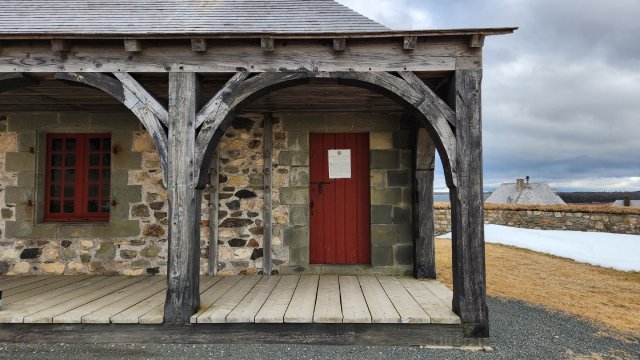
point(228, 299)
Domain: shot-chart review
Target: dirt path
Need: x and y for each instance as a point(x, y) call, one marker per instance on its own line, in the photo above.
point(601, 295)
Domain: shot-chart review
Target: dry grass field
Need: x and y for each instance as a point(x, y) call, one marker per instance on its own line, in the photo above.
point(599, 295)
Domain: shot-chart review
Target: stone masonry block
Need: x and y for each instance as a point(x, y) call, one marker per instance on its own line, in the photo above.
point(294, 158)
point(403, 254)
point(385, 159)
point(381, 140)
point(18, 195)
point(26, 141)
point(388, 196)
point(381, 255)
point(298, 141)
point(299, 176)
point(126, 160)
point(378, 178)
point(20, 161)
point(126, 194)
point(297, 236)
point(381, 214)
point(398, 177)
point(294, 196)
point(298, 255)
point(116, 121)
point(303, 122)
point(401, 140)
point(384, 234)
point(30, 121)
point(401, 215)
point(405, 233)
point(299, 214)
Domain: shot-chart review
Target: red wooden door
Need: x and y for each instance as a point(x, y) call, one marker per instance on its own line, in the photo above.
point(339, 204)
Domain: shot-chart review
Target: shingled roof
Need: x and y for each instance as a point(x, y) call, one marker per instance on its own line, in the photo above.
point(179, 17)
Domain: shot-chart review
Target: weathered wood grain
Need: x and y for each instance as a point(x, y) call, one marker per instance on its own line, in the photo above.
point(424, 262)
point(437, 310)
point(246, 310)
point(132, 45)
point(183, 297)
point(199, 45)
point(467, 213)
point(354, 306)
point(278, 301)
point(17, 281)
point(380, 307)
point(328, 308)
point(213, 293)
point(406, 306)
point(217, 313)
point(40, 288)
point(12, 81)
point(303, 301)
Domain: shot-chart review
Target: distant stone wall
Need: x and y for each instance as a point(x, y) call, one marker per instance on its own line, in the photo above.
point(555, 217)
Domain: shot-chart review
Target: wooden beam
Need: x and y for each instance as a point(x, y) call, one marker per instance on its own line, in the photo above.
point(476, 41)
point(267, 178)
point(60, 45)
point(217, 102)
point(144, 96)
point(137, 101)
point(340, 44)
point(424, 266)
point(409, 42)
point(199, 45)
point(11, 81)
point(182, 297)
point(467, 213)
point(132, 45)
point(267, 44)
point(367, 55)
point(435, 104)
point(214, 191)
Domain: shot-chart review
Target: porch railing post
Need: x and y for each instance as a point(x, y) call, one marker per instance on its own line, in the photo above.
point(183, 296)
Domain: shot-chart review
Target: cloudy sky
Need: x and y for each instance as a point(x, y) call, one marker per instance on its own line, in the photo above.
point(561, 96)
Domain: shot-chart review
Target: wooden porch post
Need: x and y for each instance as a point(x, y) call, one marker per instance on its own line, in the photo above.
point(424, 264)
point(183, 296)
point(467, 215)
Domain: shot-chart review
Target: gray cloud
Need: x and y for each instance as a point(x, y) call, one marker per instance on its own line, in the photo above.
point(561, 96)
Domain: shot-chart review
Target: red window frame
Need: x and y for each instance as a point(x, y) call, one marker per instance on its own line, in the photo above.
point(78, 187)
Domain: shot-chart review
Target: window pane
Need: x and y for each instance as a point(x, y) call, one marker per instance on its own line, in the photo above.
point(106, 144)
point(68, 206)
point(94, 175)
point(56, 144)
point(55, 191)
point(94, 160)
point(94, 144)
point(106, 175)
point(70, 144)
point(69, 191)
point(105, 191)
point(104, 206)
point(93, 190)
point(70, 159)
point(92, 206)
point(56, 175)
point(56, 160)
point(69, 175)
point(54, 206)
point(106, 160)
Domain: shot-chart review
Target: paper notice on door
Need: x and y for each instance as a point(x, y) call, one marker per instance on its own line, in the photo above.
point(340, 164)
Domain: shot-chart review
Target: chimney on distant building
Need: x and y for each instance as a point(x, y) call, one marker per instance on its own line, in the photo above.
point(519, 184)
point(626, 201)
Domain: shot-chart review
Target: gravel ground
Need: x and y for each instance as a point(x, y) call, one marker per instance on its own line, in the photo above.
point(519, 331)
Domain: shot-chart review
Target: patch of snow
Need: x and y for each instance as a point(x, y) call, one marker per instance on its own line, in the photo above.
point(617, 251)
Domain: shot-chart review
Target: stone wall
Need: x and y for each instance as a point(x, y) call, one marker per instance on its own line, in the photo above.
point(556, 217)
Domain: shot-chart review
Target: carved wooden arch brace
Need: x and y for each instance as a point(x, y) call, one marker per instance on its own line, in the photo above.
point(131, 94)
point(11, 81)
point(407, 88)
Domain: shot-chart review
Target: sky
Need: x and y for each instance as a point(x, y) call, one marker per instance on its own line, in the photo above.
point(561, 96)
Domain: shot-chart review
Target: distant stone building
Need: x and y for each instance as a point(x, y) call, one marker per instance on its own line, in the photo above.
point(525, 194)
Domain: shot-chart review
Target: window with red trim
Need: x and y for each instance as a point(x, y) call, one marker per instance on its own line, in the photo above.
point(78, 177)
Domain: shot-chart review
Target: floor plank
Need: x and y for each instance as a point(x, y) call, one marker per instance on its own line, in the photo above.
point(133, 314)
point(17, 281)
point(380, 307)
point(211, 295)
point(328, 307)
point(440, 291)
point(246, 311)
point(302, 304)
point(16, 312)
point(409, 310)
point(435, 308)
point(116, 299)
point(88, 295)
point(354, 306)
point(41, 289)
point(277, 303)
point(217, 313)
